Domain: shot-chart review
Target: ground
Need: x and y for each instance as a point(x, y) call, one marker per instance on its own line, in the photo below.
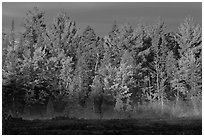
point(64, 126)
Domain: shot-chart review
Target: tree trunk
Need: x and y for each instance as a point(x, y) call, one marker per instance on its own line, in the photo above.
point(50, 108)
point(176, 103)
point(162, 102)
point(14, 108)
point(193, 99)
point(27, 109)
point(149, 83)
point(157, 72)
point(195, 109)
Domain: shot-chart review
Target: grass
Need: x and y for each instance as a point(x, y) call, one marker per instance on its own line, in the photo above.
point(170, 110)
point(145, 119)
point(65, 126)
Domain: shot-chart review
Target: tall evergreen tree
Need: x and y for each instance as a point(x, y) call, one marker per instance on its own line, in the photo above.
point(113, 44)
point(188, 80)
point(86, 61)
point(160, 52)
point(190, 43)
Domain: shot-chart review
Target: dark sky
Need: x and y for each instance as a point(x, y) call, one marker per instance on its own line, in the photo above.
point(100, 16)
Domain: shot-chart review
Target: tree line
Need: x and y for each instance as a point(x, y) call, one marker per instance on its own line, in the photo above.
point(128, 67)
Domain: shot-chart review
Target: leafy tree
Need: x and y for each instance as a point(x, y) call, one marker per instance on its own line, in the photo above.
point(60, 54)
point(66, 74)
point(11, 74)
point(35, 27)
point(32, 58)
point(10, 77)
point(38, 74)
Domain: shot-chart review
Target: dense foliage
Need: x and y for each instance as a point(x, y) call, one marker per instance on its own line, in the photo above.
point(128, 68)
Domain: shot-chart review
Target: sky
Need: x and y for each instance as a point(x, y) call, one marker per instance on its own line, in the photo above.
point(101, 15)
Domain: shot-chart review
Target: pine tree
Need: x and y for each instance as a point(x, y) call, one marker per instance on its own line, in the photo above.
point(189, 71)
point(172, 69)
point(86, 61)
point(113, 44)
point(141, 52)
point(125, 36)
point(189, 37)
point(114, 31)
point(81, 82)
point(12, 35)
point(123, 79)
point(160, 52)
point(63, 33)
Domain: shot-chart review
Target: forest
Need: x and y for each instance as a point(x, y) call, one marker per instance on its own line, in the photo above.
point(52, 70)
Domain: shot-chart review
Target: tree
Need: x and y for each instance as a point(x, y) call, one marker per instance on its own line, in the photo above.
point(50, 109)
point(113, 44)
point(35, 27)
point(32, 49)
point(189, 80)
point(60, 52)
point(160, 52)
point(172, 70)
point(97, 86)
point(63, 33)
point(126, 37)
point(85, 68)
point(10, 78)
point(79, 83)
point(121, 81)
point(66, 74)
point(11, 74)
point(189, 37)
point(97, 94)
point(38, 63)
point(88, 48)
point(141, 53)
point(189, 72)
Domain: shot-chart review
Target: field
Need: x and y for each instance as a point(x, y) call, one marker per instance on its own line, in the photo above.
point(64, 126)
